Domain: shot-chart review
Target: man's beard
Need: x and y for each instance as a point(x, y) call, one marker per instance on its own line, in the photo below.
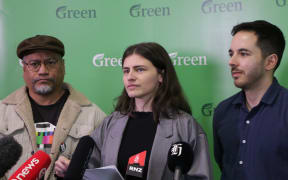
point(43, 89)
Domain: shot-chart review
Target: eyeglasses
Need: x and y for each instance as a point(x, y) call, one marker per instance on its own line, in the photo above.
point(35, 65)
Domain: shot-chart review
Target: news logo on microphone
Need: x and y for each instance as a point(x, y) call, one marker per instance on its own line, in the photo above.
point(180, 156)
point(34, 168)
point(176, 149)
point(136, 164)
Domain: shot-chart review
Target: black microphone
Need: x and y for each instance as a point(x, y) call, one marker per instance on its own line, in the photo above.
point(180, 158)
point(10, 152)
point(80, 158)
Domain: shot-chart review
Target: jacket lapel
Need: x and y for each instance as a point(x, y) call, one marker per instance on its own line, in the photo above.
point(67, 117)
point(66, 120)
point(25, 112)
point(114, 140)
point(159, 152)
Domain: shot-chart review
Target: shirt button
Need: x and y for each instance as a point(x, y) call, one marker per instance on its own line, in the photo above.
point(247, 122)
point(244, 141)
point(240, 162)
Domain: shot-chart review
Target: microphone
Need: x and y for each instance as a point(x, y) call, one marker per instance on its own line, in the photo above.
point(34, 168)
point(180, 158)
point(10, 152)
point(80, 158)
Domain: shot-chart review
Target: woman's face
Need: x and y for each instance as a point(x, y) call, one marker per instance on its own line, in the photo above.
point(140, 77)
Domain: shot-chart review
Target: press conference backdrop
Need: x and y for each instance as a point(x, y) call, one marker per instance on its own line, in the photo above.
point(196, 33)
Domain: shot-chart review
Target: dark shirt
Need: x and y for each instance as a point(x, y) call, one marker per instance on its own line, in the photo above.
point(253, 145)
point(138, 136)
point(48, 113)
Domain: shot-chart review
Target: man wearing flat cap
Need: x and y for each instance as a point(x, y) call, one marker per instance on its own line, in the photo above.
point(46, 114)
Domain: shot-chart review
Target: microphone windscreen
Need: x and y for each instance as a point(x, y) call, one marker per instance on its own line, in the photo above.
point(34, 168)
point(10, 152)
point(80, 158)
point(180, 155)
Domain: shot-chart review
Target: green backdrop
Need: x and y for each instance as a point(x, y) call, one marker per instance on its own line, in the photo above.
point(196, 33)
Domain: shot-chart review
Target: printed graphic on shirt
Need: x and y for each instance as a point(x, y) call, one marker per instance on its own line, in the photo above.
point(44, 134)
point(136, 164)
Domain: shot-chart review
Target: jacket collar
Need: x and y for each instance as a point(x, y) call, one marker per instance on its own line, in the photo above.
point(161, 145)
point(268, 98)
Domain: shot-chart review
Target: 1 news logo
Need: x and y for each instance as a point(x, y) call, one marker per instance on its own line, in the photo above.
point(41, 173)
point(28, 169)
point(34, 168)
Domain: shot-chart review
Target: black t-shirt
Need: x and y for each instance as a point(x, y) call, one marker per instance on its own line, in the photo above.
point(45, 121)
point(138, 137)
point(48, 113)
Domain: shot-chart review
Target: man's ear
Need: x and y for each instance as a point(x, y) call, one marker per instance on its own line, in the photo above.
point(271, 62)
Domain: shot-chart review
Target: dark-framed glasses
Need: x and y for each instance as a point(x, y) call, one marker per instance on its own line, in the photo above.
point(34, 65)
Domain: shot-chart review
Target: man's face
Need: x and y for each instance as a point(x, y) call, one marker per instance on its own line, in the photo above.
point(246, 61)
point(48, 77)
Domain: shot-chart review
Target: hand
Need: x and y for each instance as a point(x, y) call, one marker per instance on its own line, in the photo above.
point(61, 166)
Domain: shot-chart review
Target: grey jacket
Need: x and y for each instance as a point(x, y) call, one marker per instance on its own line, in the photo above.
point(182, 128)
point(79, 117)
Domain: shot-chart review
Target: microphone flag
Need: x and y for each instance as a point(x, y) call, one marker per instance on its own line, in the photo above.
point(136, 164)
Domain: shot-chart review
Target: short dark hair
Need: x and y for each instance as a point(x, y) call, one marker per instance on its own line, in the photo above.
point(169, 97)
point(270, 38)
